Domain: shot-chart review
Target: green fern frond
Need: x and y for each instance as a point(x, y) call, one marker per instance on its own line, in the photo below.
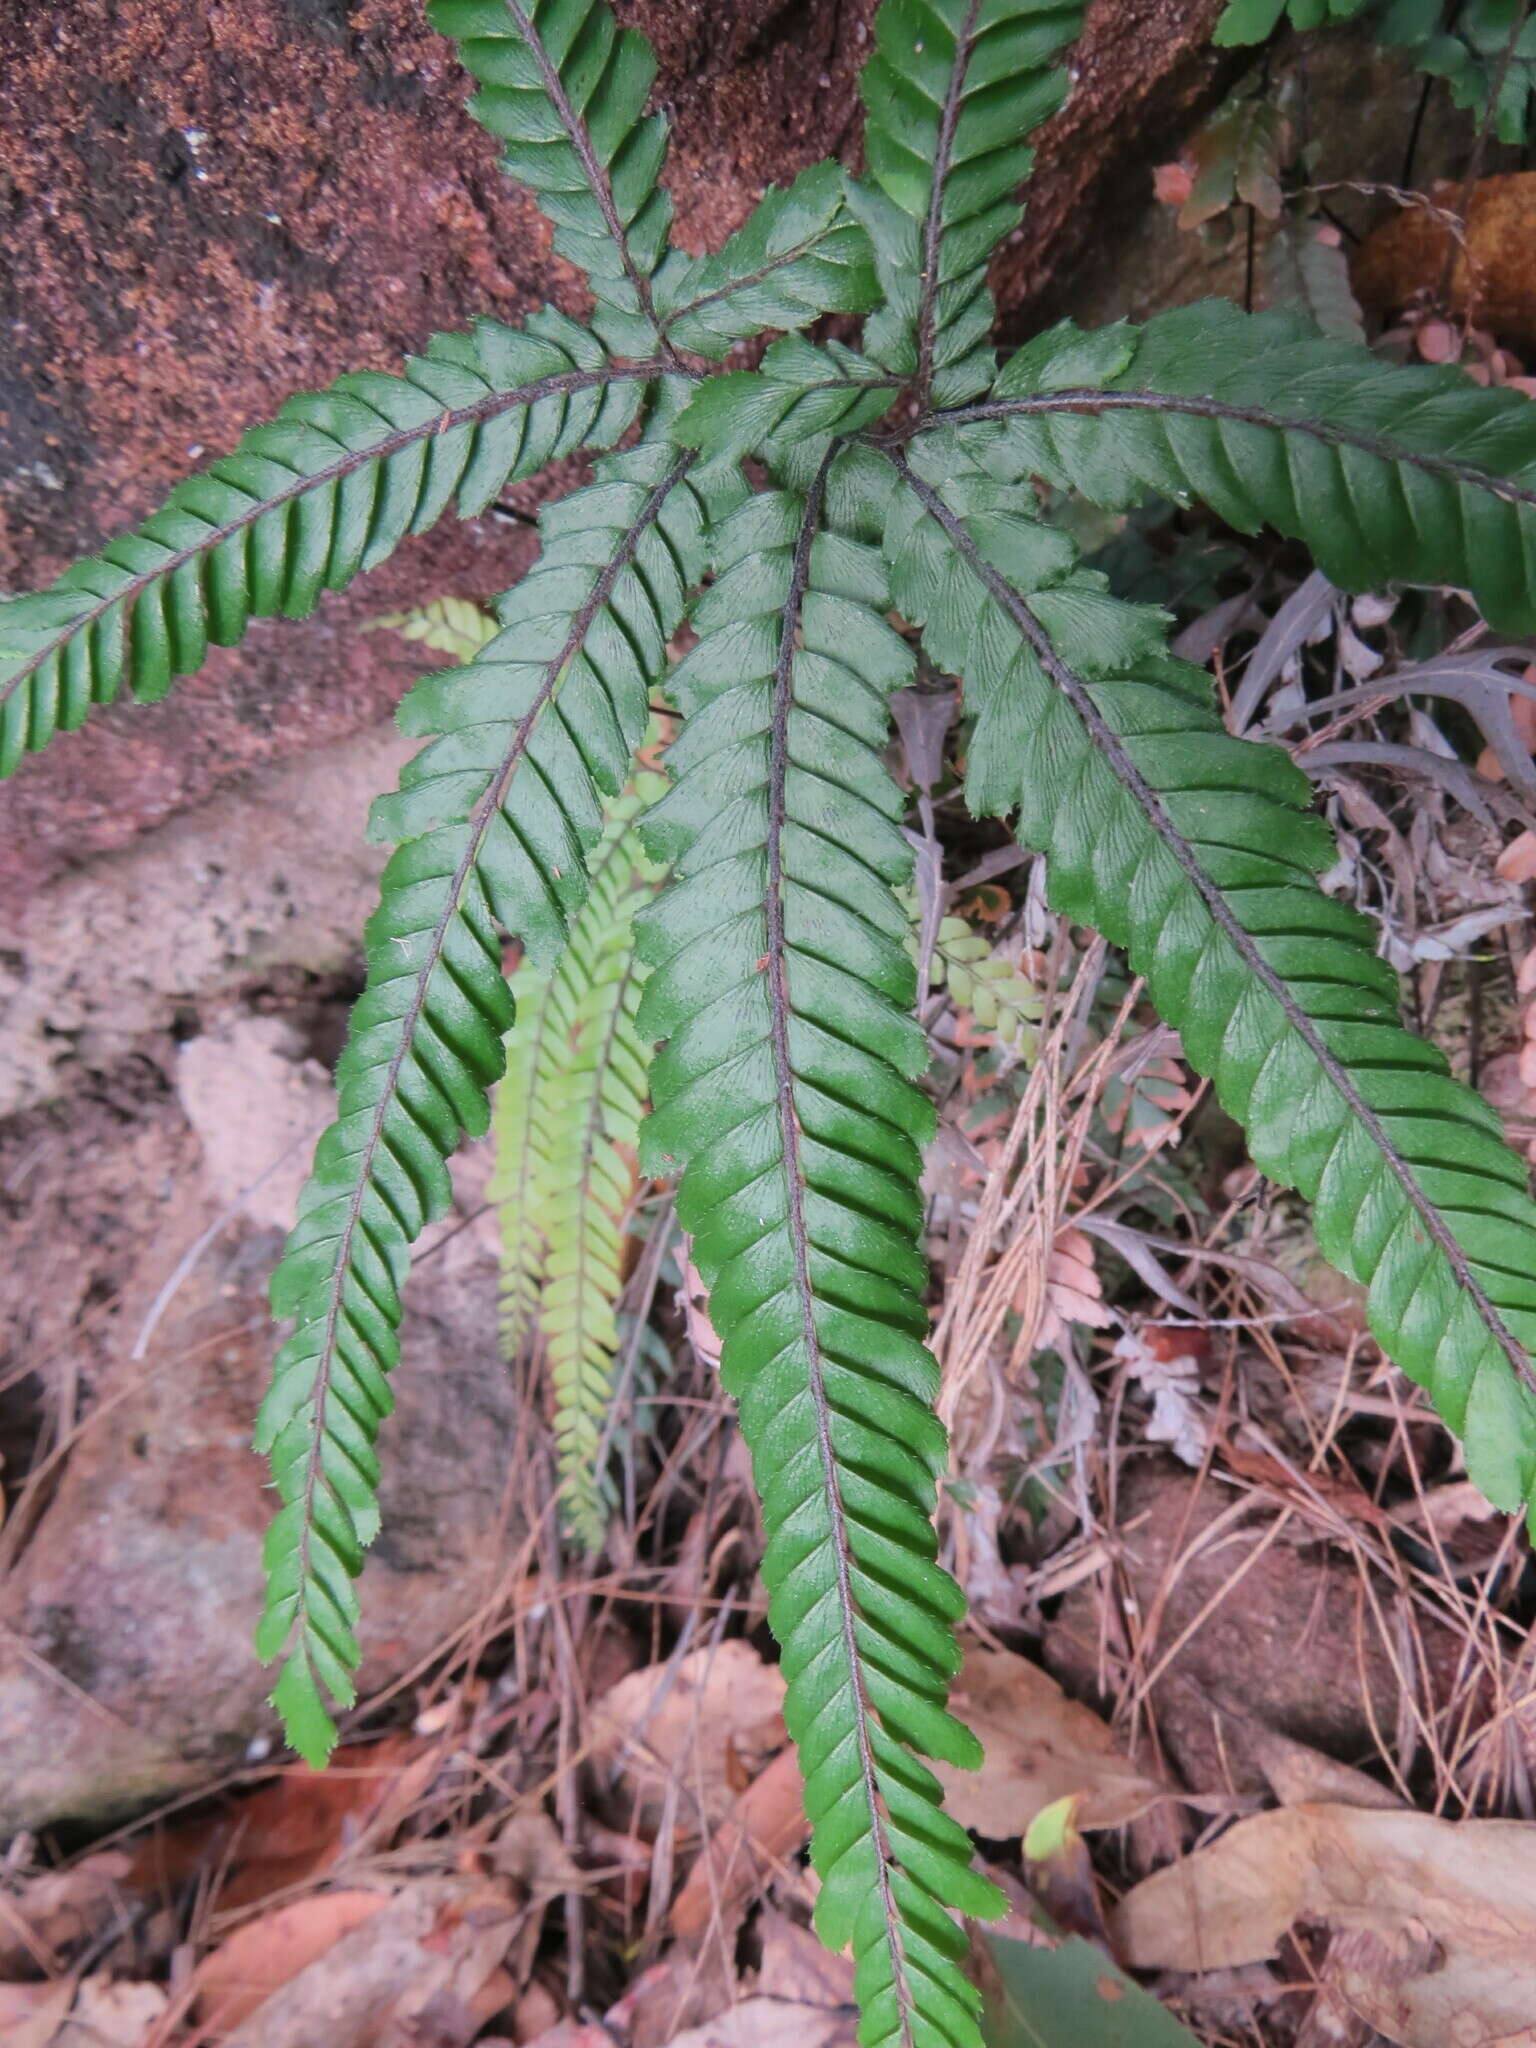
point(447, 625)
point(799, 256)
point(1485, 50)
point(1387, 474)
point(784, 1094)
point(563, 89)
point(950, 95)
point(328, 489)
point(1196, 851)
point(495, 816)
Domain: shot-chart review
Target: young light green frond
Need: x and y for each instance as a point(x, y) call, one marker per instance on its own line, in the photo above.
point(327, 489)
point(596, 1097)
point(494, 818)
point(448, 625)
point(1196, 851)
point(800, 255)
point(951, 93)
point(528, 1104)
point(523, 1139)
point(785, 1097)
point(1387, 474)
point(563, 89)
point(799, 395)
point(983, 983)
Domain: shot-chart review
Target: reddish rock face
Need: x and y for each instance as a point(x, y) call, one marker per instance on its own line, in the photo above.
point(208, 207)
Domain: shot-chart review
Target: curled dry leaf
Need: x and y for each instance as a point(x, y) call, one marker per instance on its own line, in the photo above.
point(766, 1825)
point(1040, 1746)
point(1449, 1908)
point(257, 1959)
point(421, 1966)
point(51, 1912)
point(697, 1724)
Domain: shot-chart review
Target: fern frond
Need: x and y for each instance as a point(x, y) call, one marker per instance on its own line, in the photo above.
point(328, 489)
point(1196, 852)
point(495, 816)
point(799, 256)
point(563, 89)
point(785, 1095)
point(596, 1098)
point(951, 93)
point(1387, 474)
point(447, 625)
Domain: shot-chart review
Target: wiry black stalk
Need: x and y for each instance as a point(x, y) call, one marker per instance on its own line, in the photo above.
point(1075, 690)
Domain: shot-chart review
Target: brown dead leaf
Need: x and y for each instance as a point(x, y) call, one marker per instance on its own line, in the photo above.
point(31, 2014)
point(1040, 1747)
point(1449, 1908)
point(421, 1967)
point(296, 1827)
point(1517, 863)
point(528, 1850)
point(770, 2023)
point(1073, 1292)
point(1300, 1775)
point(53, 1911)
point(113, 2013)
point(1405, 256)
point(682, 1723)
point(794, 1965)
point(766, 1825)
point(264, 1954)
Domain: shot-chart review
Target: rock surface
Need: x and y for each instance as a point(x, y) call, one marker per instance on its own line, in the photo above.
point(208, 207)
point(126, 1667)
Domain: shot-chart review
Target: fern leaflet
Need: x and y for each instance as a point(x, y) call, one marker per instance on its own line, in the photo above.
point(563, 89)
point(448, 625)
point(1195, 851)
point(800, 255)
point(785, 1094)
point(951, 93)
point(1387, 474)
point(496, 814)
point(328, 489)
